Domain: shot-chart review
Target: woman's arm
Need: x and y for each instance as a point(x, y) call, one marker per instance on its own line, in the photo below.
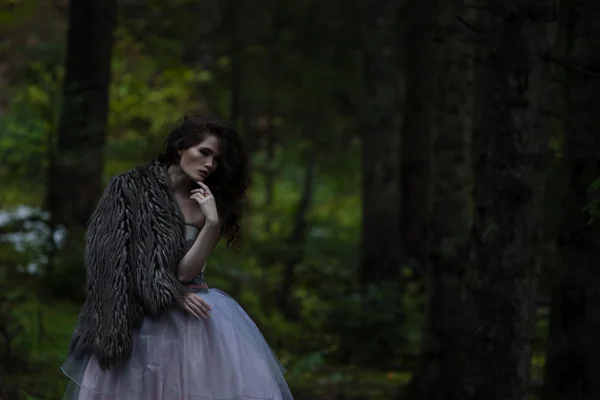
point(193, 261)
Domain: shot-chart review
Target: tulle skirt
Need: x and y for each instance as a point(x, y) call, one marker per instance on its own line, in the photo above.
point(180, 357)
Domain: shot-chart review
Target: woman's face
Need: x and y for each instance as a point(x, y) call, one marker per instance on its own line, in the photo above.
point(200, 160)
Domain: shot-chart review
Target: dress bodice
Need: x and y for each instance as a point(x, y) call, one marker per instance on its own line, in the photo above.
point(191, 232)
point(198, 283)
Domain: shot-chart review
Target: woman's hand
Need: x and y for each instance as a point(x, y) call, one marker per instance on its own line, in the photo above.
point(206, 201)
point(195, 305)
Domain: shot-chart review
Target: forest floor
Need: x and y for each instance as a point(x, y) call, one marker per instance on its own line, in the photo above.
point(40, 344)
point(348, 383)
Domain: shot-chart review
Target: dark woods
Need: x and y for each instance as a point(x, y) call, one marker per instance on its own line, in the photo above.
point(421, 219)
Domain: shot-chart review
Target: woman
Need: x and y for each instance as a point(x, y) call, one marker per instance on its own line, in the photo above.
point(150, 327)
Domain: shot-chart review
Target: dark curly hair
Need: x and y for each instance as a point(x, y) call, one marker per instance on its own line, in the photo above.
point(229, 181)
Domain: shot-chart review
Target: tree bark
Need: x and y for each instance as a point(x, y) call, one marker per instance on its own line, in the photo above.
point(418, 122)
point(77, 162)
point(444, 344)
point(270, 142)
point(379, 127)
point(237, 63)
point(509, 170)
point(76, 158)
point(573, 354)
point(270, 134)
point(487, 190)
point(380, 134)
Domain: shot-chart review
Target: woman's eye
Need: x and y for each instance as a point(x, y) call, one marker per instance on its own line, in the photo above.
point(205, 153)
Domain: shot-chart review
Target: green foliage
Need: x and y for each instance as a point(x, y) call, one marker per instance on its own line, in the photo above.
point(384, 320)
point(39, 332)
point(26, 133)
point(35, 329)
point(347, 382)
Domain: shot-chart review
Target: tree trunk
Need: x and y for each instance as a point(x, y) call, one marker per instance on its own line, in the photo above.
point(237, 63)
point(296, 243)
point(572, 367)
point(485, 227)
point(75, 176)
point(76, 159)
point(270, 139)
point(379, 127)
point(380, 133)
point(418, 122)
point(508, 189)
point(444, 343)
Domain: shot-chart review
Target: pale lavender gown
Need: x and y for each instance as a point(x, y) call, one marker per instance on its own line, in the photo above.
point(179, 357)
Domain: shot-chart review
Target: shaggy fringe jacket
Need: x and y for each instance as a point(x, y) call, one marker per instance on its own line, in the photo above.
point(133, 245)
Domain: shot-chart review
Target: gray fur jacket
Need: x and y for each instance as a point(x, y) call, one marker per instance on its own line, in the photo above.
point(133, 245)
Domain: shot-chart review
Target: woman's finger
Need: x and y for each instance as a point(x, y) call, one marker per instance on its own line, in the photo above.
point(202, 303)
point(200, 196)
point(200, 190)
point(195, 311)
point(199, 310)
point(188, 301)
point(187, 308)
point(202, 200)
point(204, 307)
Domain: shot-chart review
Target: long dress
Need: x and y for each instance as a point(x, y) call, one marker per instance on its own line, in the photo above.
point(179, 357)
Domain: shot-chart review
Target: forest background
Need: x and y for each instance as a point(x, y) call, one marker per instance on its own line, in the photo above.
point(421, 218)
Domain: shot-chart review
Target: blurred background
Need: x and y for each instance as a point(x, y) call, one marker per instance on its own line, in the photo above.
point(421, 217)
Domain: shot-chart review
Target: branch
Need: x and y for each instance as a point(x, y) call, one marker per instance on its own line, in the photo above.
point(473, 28)
point(584, 5)
point(577, 67)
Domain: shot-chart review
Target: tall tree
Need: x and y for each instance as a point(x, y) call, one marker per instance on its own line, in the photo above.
point(572, 370)
point(509, 150)
point(270, 132)
point(77, 162)
point(380, 135)
point(380, 126)
point(422, 52)
point(444, 345)
point(75, 176)
point(488, 186)
point(236, 51)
